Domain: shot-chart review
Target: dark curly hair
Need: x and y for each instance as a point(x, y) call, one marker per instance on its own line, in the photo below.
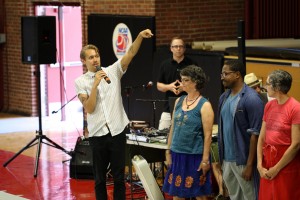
point(196, 74)
point(236, 66)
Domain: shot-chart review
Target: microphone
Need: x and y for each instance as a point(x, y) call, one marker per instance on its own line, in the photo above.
point(98, 68)
point(149, 85)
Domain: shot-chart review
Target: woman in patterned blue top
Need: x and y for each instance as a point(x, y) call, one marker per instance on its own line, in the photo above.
point(189, 140)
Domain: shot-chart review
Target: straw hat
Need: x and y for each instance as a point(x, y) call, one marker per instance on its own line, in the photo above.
point(251, 80)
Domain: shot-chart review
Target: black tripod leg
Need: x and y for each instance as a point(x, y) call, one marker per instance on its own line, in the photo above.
point(39, 135)
point(18, 153)
point(37, 156)
point(56, 145)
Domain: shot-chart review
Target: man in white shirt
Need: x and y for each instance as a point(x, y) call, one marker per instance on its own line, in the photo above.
point(106, 117)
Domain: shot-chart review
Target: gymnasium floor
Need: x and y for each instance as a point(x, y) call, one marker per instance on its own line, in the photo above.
point(52, 180)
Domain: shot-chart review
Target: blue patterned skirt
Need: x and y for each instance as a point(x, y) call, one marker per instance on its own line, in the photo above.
point(182, 178)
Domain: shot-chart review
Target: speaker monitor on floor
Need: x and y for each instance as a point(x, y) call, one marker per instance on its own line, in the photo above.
point(81, 166)
point(38, 39)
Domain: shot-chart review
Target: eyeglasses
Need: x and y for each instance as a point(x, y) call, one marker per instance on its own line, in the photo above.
point(177, 46)
point(185, 80)
point(224, 74)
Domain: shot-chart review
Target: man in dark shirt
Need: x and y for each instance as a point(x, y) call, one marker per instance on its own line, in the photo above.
point(169, 78)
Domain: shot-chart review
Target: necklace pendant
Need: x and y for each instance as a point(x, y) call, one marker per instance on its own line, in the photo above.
point(186, 102)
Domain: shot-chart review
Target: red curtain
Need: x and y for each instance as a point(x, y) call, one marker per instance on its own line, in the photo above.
point(272, 19)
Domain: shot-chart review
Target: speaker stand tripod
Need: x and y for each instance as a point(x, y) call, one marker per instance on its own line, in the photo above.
point(38, 140)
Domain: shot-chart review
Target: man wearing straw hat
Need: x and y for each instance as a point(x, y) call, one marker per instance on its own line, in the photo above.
point(252, 81)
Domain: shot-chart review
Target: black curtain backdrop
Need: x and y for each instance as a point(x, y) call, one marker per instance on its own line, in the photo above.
point(145, 65)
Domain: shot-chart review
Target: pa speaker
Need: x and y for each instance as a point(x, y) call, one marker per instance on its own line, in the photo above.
point(38, 39)
point(81, 166)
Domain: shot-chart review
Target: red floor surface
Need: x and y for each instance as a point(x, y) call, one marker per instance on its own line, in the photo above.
point(53, 180)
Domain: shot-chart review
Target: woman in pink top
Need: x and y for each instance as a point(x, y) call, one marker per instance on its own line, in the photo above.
point(278, 157)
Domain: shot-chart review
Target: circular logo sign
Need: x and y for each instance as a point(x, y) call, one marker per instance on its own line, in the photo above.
point(121, 40)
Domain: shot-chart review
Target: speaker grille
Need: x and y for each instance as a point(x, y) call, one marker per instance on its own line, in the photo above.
point(81, 165)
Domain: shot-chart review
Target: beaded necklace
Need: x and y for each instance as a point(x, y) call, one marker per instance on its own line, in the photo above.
point(188, 105)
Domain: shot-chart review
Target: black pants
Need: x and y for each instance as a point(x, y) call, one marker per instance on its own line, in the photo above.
point(107, 149)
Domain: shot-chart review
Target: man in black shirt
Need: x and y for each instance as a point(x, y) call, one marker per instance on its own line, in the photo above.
point(169, 78)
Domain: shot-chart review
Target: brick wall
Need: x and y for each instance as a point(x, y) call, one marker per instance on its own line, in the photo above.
point(197, 20)
point(19, 82)
point(1, 53)
point(191, 19)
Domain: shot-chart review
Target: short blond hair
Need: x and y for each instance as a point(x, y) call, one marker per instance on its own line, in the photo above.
point(86, 47)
